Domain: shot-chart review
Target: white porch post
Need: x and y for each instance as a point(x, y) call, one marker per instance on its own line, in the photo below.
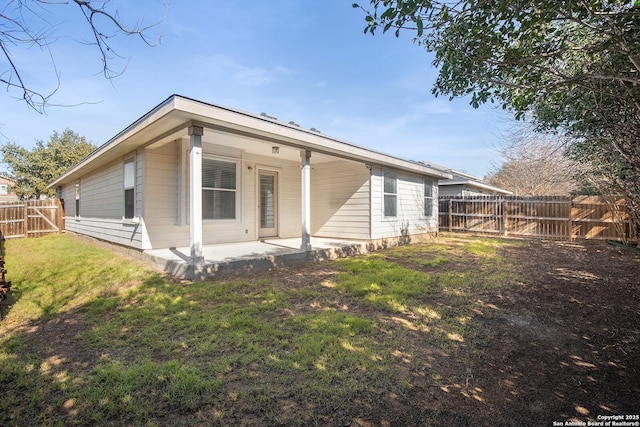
point(195, 194)
point(306, 199)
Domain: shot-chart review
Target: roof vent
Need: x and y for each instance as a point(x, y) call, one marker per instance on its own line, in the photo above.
point(268, 116)
point(314, 130)
point(294, 124)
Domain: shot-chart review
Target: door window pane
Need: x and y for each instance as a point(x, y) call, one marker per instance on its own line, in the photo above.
point(267, 201)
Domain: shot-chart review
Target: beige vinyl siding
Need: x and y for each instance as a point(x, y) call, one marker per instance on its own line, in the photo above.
point(102, 193)
point(102, 205)
point(162, 201)
point(340, 200)
point(68, 196)
point(162, 184)
point(410, 216)
point(140, 183)
point(291, 199)
point(124, 233)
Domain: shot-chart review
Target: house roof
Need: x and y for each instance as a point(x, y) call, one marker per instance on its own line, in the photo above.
point(474, 184)
point(463, 178)
point(170, 119)
point(6, 179)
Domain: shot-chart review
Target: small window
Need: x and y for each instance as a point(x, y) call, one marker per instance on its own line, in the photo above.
point(219, 188)
point(390, 195)
point(4, 189)
point(428, 198)
point(129, 188)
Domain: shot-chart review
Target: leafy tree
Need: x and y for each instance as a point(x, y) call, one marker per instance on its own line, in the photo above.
point(33, 170)
point(572, 67)
point(26, 24)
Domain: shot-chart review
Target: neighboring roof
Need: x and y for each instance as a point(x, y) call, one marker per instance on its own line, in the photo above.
point(475, 184)
point(462, 178)
point(168, 120)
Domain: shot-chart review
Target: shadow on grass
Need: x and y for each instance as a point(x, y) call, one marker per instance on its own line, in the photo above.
point(12, 297)
point(465, 343)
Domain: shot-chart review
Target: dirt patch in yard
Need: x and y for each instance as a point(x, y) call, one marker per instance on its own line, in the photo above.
point(565, 339)
point(560, 344)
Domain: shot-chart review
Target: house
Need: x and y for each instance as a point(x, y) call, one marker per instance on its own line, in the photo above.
point(464, 185)
point(190, 173)
point(6, 190)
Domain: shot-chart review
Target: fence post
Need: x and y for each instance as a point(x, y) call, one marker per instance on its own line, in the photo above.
point(25, 215)
point(60, 215)
point(451, 215)
point(505, 219)
point(571, 220)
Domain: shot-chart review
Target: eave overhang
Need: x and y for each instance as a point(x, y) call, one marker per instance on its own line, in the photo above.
point(170, 120)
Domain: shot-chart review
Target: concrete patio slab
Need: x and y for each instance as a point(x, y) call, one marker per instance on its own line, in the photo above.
point(256, 256)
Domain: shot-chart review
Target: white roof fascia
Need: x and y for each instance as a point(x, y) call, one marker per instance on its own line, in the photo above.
point(258, 125)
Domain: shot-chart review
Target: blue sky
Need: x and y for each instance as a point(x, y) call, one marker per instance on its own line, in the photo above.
point(300, 60)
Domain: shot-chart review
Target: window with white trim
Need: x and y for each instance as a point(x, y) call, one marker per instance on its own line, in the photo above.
point(129, 188)
point(390, 194)
point(219, 189)
point(428, 197)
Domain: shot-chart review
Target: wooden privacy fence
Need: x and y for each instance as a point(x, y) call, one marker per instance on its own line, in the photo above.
point(584, 217)
point(31, 218)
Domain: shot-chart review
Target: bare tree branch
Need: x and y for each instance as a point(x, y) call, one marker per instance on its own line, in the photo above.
point(534, 163)
point(25, 24)
point(91, 15)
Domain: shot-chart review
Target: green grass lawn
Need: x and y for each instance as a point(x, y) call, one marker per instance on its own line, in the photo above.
point(90, 336)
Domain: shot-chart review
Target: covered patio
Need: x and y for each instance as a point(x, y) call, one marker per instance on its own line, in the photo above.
point(205, 191)
point(247, 257)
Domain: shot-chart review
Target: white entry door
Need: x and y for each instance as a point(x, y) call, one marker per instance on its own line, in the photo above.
point(268, 203)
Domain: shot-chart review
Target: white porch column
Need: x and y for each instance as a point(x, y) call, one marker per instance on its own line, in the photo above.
point(195, 194)
point(305, 179)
